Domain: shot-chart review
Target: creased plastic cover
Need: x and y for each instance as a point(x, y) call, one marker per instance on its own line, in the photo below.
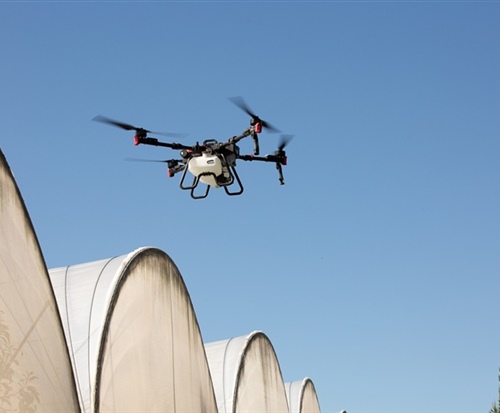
point(246, 375)
point(133, 335)
point(35, 369)
point(302, 396)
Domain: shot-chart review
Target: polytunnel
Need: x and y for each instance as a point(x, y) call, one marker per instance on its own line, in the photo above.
point(120, 335)
point(246, 375)
point(133, 335)
point(302, 397)
point(35, 368)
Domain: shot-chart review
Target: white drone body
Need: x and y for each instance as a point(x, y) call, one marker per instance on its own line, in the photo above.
point(207, 168)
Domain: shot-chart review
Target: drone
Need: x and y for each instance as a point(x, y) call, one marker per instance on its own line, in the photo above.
point(212, 163)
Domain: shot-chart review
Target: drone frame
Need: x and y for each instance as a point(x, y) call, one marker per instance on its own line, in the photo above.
point(227, 152)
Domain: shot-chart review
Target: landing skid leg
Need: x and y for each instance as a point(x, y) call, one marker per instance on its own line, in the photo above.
point(235, 174)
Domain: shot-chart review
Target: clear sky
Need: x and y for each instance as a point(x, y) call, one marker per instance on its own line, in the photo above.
point(375, 270)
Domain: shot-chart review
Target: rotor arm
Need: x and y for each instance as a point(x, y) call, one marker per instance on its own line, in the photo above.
point(251, 131)
point(155, 142)
point(279, 159)
point(267, 158)
point(246, 132)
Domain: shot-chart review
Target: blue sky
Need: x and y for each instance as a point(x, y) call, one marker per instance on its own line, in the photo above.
point(375, 269)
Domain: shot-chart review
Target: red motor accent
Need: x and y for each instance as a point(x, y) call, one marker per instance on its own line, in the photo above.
point(257, 127)
point(284, 160)
point(170, 174)
point(137, 140)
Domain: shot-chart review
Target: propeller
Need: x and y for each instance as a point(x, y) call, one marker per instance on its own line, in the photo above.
point(139, 131)
point(280, 154)
point(238, 101)
point(284, 141)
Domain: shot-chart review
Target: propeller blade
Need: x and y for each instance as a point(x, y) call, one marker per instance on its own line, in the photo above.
point(126, 126)
point(171, 134)
point(270, 127)
point(239, 101)
point(122, 125)
point(284, 141)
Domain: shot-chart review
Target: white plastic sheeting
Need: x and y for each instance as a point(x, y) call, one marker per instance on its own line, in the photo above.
point(246, 375)
point(119, 335)
point(35, 369)
point(302, 396)
point(133, 335)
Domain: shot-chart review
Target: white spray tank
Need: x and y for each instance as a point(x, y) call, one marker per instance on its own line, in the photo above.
point(206, 167)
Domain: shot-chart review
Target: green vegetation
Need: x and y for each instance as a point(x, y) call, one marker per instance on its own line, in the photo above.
point(496, 405)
